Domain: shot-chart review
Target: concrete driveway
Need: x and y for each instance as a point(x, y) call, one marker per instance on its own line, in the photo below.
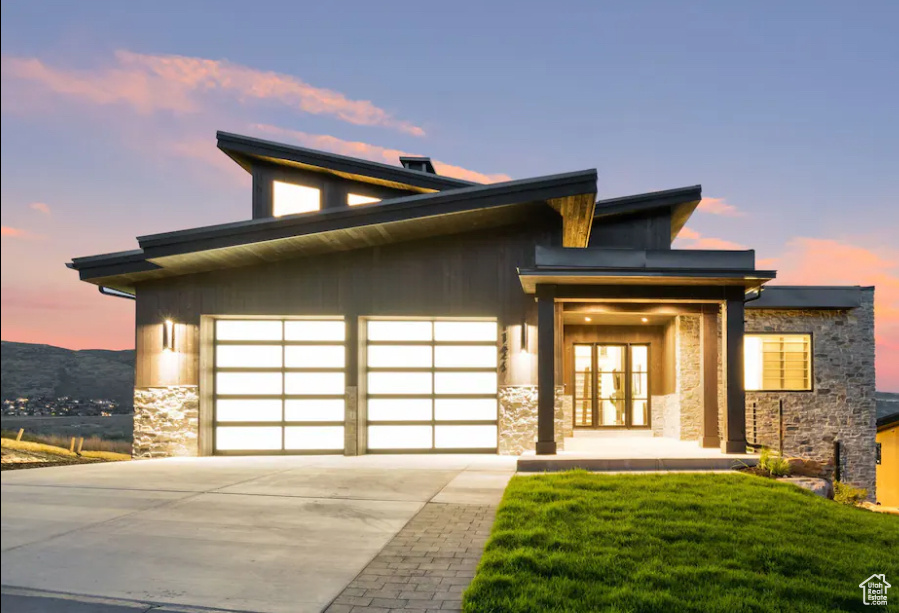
point(244, 534)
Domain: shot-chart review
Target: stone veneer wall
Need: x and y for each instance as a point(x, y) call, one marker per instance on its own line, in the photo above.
point(666, 419)
point(841, 405)
point(689, 378)
point(165, 421)
point(518, 418)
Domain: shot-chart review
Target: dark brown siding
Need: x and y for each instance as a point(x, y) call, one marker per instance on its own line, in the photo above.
point(467, 275)
point(632, 232)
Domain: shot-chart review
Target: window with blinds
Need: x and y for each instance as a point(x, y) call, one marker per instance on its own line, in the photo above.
point(778, 362)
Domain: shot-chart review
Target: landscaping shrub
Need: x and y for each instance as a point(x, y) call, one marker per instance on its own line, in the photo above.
point(774, 463)
point(847, 494)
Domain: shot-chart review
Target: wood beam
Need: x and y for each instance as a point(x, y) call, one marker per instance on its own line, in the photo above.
point(735, 415)
point(709, 337)
point(546, 384)
point(577, 218)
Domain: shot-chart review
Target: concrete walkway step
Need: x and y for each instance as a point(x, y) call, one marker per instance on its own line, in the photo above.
point(545, 463)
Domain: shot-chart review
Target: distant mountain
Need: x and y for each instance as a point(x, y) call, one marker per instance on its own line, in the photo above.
point(43, 370)
point(887, 403)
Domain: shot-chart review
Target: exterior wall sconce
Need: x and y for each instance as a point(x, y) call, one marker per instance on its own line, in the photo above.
point(168, 335)
point(524, 336)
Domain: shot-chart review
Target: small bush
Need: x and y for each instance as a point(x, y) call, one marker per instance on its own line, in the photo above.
point(847, 494)
point(774, 463)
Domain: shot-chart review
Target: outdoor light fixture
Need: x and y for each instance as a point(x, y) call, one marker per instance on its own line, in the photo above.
point(644, 320)
point(168, 335)
point(524, 336)
point(587, 319)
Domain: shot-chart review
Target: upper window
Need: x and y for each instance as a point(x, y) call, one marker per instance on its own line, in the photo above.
point(778, 362)
point(357, 199)
point(290, 198)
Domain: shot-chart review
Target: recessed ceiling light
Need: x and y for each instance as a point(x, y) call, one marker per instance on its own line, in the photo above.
point(587, 319)
point(643, 319)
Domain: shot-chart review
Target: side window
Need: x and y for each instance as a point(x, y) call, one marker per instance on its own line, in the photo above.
point(778, 362)
point(290, 199)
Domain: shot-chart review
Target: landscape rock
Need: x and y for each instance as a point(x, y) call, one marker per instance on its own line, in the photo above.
point(821, 487)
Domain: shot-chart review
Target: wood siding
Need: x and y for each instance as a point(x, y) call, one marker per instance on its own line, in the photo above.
point(642, 231)
point(466, 275)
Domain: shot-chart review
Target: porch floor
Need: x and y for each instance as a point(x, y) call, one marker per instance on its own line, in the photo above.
point(597, 451)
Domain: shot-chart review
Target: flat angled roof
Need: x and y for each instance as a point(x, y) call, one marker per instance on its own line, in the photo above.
point(682, 201)
point(246, 151)
point(810, 297)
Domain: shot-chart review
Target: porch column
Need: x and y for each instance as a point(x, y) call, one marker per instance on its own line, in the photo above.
point(709, 336)
point(546, 384)
point(735, 416)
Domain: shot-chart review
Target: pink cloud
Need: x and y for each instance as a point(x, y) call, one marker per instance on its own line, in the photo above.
point(695, 240)
point(819, 261)
point(373, 152)
point(174, 83)
point(40, 207)
point(719, 206)
point(10, 232)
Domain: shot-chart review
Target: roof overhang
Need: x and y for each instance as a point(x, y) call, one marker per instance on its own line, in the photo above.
point(248, 151)
point(809, 297)
point(389, 221)
point(585, 267)
point(681, 202)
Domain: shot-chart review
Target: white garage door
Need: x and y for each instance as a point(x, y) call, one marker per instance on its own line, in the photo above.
point(431, 385)
point(279, 385)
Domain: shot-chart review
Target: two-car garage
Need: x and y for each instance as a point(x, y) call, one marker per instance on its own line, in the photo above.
point(425, 385)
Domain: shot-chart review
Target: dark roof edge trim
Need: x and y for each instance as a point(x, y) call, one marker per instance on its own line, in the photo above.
point(809, 297)
point(650, 200)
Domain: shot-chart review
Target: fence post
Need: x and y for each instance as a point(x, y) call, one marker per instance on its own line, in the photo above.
point(781, 420)
point(72, 445)
point(19, 435)
point(837, 471)
point(80, 444)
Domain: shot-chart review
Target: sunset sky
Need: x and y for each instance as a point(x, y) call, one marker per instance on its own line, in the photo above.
point(784, 112)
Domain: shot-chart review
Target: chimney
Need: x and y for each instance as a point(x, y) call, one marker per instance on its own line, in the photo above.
point(417, 163)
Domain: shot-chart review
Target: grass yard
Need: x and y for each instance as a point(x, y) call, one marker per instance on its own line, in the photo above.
point(24, 454)
point(727, 543)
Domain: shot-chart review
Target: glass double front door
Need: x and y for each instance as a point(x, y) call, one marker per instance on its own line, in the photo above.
point(611, 385)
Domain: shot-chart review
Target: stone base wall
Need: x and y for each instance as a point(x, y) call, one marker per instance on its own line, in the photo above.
point(165, 421)
point(689, 379)
point(518, 419)
point(841, 405)
point(666, 418)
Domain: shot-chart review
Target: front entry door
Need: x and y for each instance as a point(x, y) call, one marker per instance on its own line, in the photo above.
point(611, 385)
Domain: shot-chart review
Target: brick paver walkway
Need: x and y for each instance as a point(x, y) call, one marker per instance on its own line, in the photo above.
point(426, 566)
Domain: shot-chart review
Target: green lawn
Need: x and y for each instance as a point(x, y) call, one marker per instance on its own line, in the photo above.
point(726, 543)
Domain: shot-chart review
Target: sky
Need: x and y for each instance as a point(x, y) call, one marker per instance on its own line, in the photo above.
point(784, 112)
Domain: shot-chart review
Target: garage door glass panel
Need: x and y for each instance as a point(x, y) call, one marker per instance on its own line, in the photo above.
point(318, 409)
point(399, 437)
point(314, 356)
point(248, 356)
point(465, 382)
point(315, 330)
point(399, 383)
point(465, 409)
point(255, 438)
point(314, 383)
point(399, 409)
point(465, 356)
point(465, 437)
point(247, 410)
point(391, 356)
point(448, 367)
point(248, 383)
point(313, 438)
point(253, 330)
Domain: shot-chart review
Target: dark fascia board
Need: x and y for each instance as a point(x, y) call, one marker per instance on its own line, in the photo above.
point(888, 421)
point(245, 149)
point(682, 201)
point(749, 279)
point(111, 264)
point(591, 258)
point(809, 297)
point(396, 209)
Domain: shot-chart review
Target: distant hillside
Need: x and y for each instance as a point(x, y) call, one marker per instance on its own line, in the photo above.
point(887, 403)
point(43, 370)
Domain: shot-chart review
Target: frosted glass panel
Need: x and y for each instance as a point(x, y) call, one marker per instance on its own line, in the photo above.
point(313, 437)
point(290, 199)
point(248, 356)
point(313, 383)
point(399, 437)
point(231, 409)
point(465, 330)
point(236, 438)
point(248, 383)
point(405, 409)
point(446, 409)
point(465, 383)
point(465, 356)
point(314, 409)
point(408, 356)
point(315, 330)
point(465, 437)
point(399, 383)
point(399, 330)
point(314, 356)
point(247, 330)
point(357, 199)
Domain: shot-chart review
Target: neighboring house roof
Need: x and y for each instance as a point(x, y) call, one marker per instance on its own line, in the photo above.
point(396, 219)
point(887, 422)
point(809, 297)
point(248, 151)
point(681, 202)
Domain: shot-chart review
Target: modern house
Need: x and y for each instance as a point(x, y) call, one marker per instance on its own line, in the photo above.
point(370, 308)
